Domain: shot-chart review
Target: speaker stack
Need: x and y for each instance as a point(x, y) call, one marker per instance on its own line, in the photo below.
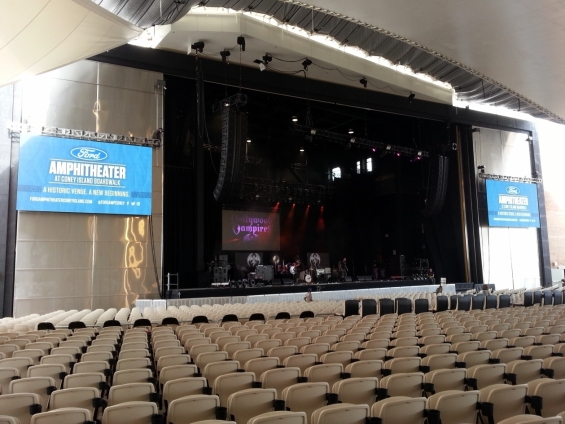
point(438, 186)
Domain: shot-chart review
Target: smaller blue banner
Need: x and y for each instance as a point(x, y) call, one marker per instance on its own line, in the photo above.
point(512, 204)
point(67, 175)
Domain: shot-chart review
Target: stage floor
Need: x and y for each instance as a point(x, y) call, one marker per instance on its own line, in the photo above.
point(297, 288)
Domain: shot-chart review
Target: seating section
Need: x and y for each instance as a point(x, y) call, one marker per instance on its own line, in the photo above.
point(130, 366)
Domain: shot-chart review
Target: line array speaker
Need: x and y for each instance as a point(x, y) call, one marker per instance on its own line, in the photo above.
point(232, 157)
point(438, 186)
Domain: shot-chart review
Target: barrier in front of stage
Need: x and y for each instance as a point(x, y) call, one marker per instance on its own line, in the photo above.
point(337, 295)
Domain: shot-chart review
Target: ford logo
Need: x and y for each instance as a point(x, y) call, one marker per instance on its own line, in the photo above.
point(89, 153)
point(512, 190)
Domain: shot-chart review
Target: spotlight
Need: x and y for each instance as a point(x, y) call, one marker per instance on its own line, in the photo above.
point(363, 81)
point(294, 119)
point(306, 63)
point(454, 146)
point(374, 150)
point(199, 46)
point(225, 54)
point(267, 58)
point(398, 154)
point(249, 140)
point(388, 147)
point(241, 42)
point(313, 131)
point(481, 168)
point(262, 67)
point(350, 131)
point(352, 140)
point(411, 97)
point(302, 149)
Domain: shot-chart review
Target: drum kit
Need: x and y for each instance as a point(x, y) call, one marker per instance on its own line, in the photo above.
point(296, 269)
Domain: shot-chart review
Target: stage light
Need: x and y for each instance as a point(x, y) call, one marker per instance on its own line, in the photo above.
point(350, 131)
point(267, 58)
point(295, 119)
point(241, 42)
point(302, 149)
point(249, 140)
point(398, 154)
point(225, 54)
point(262, 67)
point(389, 147)
point(481, 168)
point(374, 150)
point(411, 97)
point(313, 131)
point(306, 63)
point(352, 140)
point(363, 81)
point(199, 46)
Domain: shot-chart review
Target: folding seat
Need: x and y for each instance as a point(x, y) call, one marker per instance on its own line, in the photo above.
point(551, 392)
point(445, 379)
point(56, 371)
point(548, 339)
point(248, 403)
point(243, 332)
point(165, 351)
point(8, 349)
point(456, 338)
point(484, 335)
point(403, 352)
point(365, 368)
point(328, 373)
point(317, 333)
point(132, 392)
point(34, 354)
point(453, 330)
point(508, 355)
point(20, 343)
point(76, 352)
point(428, 340)
point(88, 379)
point(306, 397)
point(210, 329)
point(403, 333)
point(222, 341)
point(434, 349)
point(279, 417)
point(227, 384)
point(92, 366)
point(100, 356)
point(260, 365)
point(424, 332)
point(196, 350)
point(326, 339)
point(344, 413)
point(476, 357)
point(20, 406)
point(280, 378)
point(170, 360)
point(359, 390)
point(378, 335)
point(404, 341)
point(379, 353)
point(481, 376)
point(531, 419)
point(191, 336)
point(400, 410)
point(44, 346)
point(376, 343)
point(299, 342)
point(189, 344)
point(214, 369)
point(539, 352)
point(556, 329)
point(244, 355)
point(21, 364)
point(440, 361)
point(495, 344)
point(176, 371)
point(208, 357)
point(181, 387)
point(554, 367)
point(4, 419)
point(302, 361)
point(105, 340)
point(41, 386)
point(401, 365)
point(535, 331)
point(130, 413)
point(320, 327)
point(254, 338)
point(134, 363)
point(267, 345)
point(506, 401)
point(499, 327)
point(6, 376)
point(134, 345)
point(455, 406)
point(282, 352)
point(404, 384)
point(461, 347)
point(523, 371)
point(133, 376)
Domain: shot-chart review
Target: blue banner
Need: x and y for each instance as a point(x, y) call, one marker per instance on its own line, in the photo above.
point(512, 204)
point(67, 175)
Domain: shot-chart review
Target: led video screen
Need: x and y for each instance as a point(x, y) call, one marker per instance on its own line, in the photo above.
point(512, 204)
point(242, 230)
point(68, 175)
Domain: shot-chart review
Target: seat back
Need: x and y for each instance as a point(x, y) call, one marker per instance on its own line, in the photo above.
point(18, 405)
point(130, 413)
point(446, 379)
point(357, 390)
point(62, 416)
point(131, 392)
point(41, 386)
point(345, 413)
point(455, 406)
point(215, 369)
point(80, 397)
point(227, 384)
point(400, 410)
point(280, 417)
point(280, 378)
point(306, 397)
point(327, 373)
point(404, 384)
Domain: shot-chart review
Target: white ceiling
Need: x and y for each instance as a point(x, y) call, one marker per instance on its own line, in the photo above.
point(37, 36)
point(517, 43)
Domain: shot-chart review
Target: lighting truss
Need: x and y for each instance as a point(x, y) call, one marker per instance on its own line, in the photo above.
point(283, 191)
point(346, 138)
point(238, 99)
point(532, 180)
point(17, 127)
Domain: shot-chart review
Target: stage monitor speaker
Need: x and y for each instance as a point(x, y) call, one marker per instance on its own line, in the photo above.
point(322, 279)
point(276, 282)
point(232, 155)
point(286, 280)
point(348, 279)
